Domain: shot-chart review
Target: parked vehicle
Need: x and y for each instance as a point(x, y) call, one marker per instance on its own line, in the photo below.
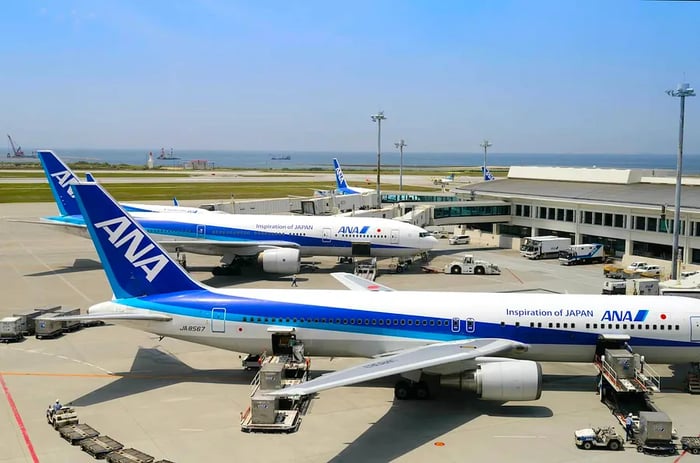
point(605, 437)
point(468, 266)
point(614, 287)
point(544, 247)
point(459, 239)
point(582, 254)
point(11, 329)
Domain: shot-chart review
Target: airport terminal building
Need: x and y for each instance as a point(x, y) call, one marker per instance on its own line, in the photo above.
point(630, 211)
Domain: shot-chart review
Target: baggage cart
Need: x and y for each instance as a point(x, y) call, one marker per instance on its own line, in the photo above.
point(28, 318)
point(128, 456)
point(47, 326)
point(75, 433)
point(691, 444)
point(100, 446)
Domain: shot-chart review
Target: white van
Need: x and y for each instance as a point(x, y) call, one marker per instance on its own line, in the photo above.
point(459, 239)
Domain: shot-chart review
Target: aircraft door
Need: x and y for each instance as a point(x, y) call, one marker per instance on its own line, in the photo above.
point(201, 231)
point(471, 325)
point(456, 322)
point(694, 329)
point(394, 236)
point(218, 320)
point(326, 236)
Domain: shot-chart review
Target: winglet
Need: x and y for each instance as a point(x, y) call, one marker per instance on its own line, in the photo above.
point(134, 263)
point(61, 179)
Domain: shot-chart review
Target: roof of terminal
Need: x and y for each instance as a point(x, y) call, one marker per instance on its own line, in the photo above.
point(640, 194)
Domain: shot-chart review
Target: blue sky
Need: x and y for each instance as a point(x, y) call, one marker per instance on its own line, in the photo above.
point(532, 76)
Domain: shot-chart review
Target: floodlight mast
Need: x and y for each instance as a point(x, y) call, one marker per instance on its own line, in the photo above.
point(681, 92)
point(401, 145)
point(378, 118)
point(485, 144)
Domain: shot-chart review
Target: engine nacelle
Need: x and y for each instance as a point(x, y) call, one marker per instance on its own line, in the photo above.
point(506, 380)
point(280, 260)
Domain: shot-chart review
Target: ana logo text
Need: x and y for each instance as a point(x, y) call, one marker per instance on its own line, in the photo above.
point(65, 179)
point(353, 230)
point(117, 230)
point(341, 177)
point(624, 316)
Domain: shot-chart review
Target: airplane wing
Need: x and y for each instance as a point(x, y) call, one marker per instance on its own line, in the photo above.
point(440, 354)
point(154, 317)
point(215, 247)
point(356, 283)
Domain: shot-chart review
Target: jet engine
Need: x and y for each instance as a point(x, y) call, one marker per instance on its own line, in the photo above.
point(280, 260)
point(505, 380)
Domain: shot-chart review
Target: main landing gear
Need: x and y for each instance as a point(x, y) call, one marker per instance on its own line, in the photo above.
point(405, 389)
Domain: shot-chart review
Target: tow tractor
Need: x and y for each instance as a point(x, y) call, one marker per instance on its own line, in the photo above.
point(604, 437)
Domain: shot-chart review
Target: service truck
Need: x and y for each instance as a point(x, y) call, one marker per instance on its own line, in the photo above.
point(582, 254)
point(468, 265)
point(544, 247)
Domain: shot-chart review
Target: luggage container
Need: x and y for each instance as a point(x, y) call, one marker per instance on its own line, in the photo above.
point(69, 325)
point(655, 433)
point(28, 318)
point(47, 326)
point(75, 433)
point(622, 362)
point(100, 446)
point(128, 456)
point(11, 329)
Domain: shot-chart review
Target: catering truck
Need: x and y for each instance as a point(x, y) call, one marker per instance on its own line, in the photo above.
point(543, 247)
point(582, 254)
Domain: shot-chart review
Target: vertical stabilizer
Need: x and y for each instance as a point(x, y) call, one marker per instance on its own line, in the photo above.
point(135, 264)
point(487, 174)
point(61, 179)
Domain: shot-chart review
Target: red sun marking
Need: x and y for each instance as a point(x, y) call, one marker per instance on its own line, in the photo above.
point(373, 287)
point(379, 230)
point(240, 329)
point(663, 316)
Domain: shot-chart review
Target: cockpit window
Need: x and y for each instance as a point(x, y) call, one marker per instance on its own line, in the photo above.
point(423, 234)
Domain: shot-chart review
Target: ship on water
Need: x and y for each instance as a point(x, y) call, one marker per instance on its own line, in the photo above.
point(281, 158)
point(17, 151)
point(163, 156)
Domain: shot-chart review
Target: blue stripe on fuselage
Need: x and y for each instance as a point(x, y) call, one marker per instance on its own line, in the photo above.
point(224, 234)
point(198, 304)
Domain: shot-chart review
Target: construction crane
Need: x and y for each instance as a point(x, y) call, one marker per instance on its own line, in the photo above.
point(16, 152)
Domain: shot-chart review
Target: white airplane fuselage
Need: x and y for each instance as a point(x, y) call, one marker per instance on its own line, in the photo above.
point(558, 328)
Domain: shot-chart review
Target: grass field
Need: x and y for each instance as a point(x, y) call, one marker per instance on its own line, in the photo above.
point(39, 192)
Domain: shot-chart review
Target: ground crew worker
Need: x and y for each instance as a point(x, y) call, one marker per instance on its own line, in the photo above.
point(628, 427)
point(294, 280)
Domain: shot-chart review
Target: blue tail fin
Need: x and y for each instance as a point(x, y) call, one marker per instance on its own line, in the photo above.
point(339, 177)
point(487, 174)
point(61, 179)
point(135, 264)
point(176, 202)
point(90, 178)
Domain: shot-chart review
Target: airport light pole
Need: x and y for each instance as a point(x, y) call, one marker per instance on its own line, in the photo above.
point(681, 92)
point(400, 145)
point(378, 118)
point(485, 144)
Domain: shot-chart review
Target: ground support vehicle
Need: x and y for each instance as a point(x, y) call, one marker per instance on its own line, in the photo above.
point(582, 254)
point(69, 325)
point(655, 433)
point(268, 413)
point(253, 361)
point(614, 287)
point(11, 329)
point(602, 437)
point(128, 456)
point(62, 417)
point(470, 266)
point(28, 324)
point(100, 446)
point(48, 326)
point(615, 271)
point(544, 247)
point(75, 433)
point(690, 444)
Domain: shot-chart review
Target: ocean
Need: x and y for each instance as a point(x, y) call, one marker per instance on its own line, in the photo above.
point(318, 159)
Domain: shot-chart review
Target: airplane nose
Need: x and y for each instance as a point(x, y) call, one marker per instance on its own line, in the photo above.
point(430, 241)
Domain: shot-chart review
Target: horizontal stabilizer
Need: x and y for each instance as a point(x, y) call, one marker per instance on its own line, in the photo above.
point(356, 283)
point(154, 317)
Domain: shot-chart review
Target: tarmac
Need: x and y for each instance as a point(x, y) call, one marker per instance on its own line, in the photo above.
point(181, 401)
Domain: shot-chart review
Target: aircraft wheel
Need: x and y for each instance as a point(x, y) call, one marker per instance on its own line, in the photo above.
point(421, 391)
point(402, 390)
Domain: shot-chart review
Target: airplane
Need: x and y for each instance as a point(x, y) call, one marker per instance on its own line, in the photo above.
point(487, 174)
point(444, 180)
point(492, 341)
point(277, 242)
point(342, 186)
point(61, 177)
